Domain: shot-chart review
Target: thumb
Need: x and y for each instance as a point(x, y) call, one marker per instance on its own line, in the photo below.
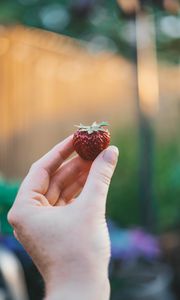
point(98, 181)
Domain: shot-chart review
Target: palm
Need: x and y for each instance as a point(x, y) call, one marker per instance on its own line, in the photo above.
point(67, 182)
point(57, 183)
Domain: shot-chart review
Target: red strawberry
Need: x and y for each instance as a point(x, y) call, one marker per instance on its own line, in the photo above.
point(89, 141)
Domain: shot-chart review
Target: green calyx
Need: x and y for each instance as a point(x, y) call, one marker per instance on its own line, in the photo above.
point(92, 128)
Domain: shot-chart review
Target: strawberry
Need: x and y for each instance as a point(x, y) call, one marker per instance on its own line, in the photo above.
point(89, 141)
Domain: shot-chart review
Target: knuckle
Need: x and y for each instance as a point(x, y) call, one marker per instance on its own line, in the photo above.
point(13, 218)
point(16, 217)
point(34, 166)
point(105, 178)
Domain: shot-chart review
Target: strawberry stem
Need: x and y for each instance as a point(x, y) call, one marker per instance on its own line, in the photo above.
point(92, 128)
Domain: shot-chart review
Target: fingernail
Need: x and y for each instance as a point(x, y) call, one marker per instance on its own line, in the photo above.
point(111, 155)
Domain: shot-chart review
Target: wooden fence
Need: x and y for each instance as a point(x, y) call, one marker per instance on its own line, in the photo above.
point(49, 82)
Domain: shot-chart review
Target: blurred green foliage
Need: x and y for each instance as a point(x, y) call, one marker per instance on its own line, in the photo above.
point(124, 203)
point(99, 22)
point(8, 191)
point(167, 175)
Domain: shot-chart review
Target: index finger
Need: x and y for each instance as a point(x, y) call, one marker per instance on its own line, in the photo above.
point(40, 172)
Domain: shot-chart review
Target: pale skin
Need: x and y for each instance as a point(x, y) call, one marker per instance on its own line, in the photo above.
point(59, 217)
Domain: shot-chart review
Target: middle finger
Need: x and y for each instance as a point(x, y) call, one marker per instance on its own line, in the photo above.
point(65, 176)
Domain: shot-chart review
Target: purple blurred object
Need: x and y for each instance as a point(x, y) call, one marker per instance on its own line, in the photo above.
point(130, 244)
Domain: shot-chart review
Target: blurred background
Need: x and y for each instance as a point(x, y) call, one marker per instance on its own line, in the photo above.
point(63, 62)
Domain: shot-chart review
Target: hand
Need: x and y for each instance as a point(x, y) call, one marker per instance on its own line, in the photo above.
point(65, 235)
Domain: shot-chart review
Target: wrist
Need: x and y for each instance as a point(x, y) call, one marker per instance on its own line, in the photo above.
point(89, 285)
point(80, 290)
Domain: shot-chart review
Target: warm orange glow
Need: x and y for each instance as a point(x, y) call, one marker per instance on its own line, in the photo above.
point(172, 5)
point(129, 6)
point(49, 82)
point(4, 45)
point(148, 83)
point(44, 74)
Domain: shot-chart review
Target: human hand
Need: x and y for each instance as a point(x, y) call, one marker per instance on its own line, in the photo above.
point(65, 235)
